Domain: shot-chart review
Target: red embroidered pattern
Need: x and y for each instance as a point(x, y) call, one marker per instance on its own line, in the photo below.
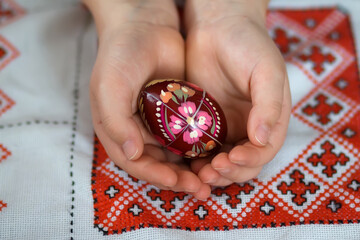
point(4, 153)
point(7, 52)
point(5, 102)
point(9, 12)
point(2, 205)
point(319, 185)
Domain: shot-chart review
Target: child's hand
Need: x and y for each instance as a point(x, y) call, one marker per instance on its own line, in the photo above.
point(138, 41)
point(229, 53)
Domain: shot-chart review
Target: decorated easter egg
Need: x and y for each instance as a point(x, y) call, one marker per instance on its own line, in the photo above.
point(183, 118)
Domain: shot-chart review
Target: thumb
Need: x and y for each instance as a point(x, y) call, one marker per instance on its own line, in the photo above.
point(267, 94)
point(114, 109)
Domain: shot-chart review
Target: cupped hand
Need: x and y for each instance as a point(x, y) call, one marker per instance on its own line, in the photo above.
point(230, 54)
point(138, 41)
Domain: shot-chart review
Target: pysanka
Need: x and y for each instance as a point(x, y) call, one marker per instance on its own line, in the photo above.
point(182, 117)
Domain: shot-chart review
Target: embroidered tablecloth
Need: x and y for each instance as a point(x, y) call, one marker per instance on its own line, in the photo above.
point(56, 181)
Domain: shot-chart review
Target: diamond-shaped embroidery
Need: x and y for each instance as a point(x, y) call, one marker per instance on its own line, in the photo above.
point(9, 12)
point(279, 20)
point(298, 188)
point(320, 61)
point(332, 206)
point(5, 102)
point(196, 215)
point(286, 40)
point(347, 133)
point(350, 181)
point(313, 179)
point(120, 198)
point(309, 21)
point(235, 197)
point(321, 110)
point(328, 159)
point(7, 52)
point(165, 201)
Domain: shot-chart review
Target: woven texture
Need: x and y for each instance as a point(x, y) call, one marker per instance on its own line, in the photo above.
point(56, 181)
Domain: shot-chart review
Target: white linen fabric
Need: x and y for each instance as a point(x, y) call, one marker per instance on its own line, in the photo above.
point(47, 51)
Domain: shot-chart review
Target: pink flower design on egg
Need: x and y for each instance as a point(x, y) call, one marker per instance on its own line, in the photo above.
point(203, 120)
point(192, 134)
point(187, 109)
point(176, 124)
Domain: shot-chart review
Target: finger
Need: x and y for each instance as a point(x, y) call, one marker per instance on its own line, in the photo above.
point(187, 181)
point(250, 155)
point(233, 172)
point(114, 115)
point(267, 92)
point(152, 168)
point(149, 167)
point(197, 164)
point(113, 96)
point(146, 135)
point(119, 74)
point(210, 176)
point(203, 193)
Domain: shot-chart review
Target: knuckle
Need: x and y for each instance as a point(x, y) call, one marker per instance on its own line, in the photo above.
point(273, 110)
point(112, 128)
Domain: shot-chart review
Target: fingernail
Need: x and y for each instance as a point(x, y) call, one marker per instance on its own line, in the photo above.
point(130, 150)
point(262, 134)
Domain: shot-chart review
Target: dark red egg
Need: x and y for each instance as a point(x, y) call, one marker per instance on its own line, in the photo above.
point(184, 118)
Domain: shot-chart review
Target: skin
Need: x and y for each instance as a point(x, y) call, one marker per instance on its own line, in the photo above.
point(227, 52)
point(230, 54)
point(138, 40)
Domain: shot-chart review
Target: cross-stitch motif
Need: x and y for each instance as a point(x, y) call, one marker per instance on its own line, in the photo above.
point(298, 188)
point(4, 153)
point(319, 185)
point(2, 205)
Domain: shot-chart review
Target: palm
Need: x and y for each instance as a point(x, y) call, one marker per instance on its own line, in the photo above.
point(226, 58)
point(128, 59)
point(208, 68)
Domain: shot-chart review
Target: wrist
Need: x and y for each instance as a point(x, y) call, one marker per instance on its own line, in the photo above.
point(110, 14)
point(207, 12)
